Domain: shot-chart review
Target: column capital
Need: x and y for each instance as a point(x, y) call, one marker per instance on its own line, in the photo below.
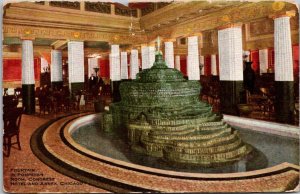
point(135, 47)
point(170, 40)
point(151, 44)
point(199, 34)
point(231, 25)
point(113, 43)
point(143, 45)
point(290, 14)
point(27, 38)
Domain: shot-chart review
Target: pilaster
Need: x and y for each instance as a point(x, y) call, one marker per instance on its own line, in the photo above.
point(169, 54)
point(28, 82)
point(231, 67)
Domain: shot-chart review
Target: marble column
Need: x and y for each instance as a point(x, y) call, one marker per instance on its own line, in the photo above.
point(28, 82)
point(148, 56)
point(193, 70)
point(76, 66)
point(93, 63)
point(177, 62)
point(231, 67)
point(124, 66)
point(284, 79)
point(134, 63)
point(169, 54)
point(56, 68)
point(145, 57)
point(263, 61)
point(151, 50)
point(214, 65)
point(115, 72)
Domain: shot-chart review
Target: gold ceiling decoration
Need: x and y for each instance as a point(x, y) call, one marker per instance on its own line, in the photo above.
point(116, 37)
point(76, 34)
point(278, 5)
point(225, 18)
point(27, 32)
point(189, 30)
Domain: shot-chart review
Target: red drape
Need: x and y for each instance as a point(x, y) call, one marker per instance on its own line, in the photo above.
point(218, 66)
point(271, 58)
point(296, 59)
point(128, 62)
point(207, 65)
point(12, 69)
point(254, 57)
point(183, 65)
point(104, 67)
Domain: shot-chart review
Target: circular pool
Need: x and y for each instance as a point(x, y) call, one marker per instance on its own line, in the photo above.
point(76, 146)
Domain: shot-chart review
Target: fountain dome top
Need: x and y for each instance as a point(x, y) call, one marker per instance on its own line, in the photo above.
point(160, 72)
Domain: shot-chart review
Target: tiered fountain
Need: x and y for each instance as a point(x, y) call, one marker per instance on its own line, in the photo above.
point(163, 117)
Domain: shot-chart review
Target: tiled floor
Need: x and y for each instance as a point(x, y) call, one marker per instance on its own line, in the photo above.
point(21, 160)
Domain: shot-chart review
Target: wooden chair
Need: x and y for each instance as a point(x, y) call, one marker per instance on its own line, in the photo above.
point(10, 101)
point(89, 100)
point(12, 120)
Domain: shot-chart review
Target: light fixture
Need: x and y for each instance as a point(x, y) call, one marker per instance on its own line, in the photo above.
point(131, 29)
point(95, 55)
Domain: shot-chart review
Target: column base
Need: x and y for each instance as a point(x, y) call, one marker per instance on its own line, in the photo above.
point(57, 84)
point(76, 87)
point(230, 92)
point(284, 101)
point(115, 91)
point(28, 98)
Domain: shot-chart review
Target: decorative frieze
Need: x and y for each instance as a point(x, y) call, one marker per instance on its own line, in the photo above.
point(56, 33)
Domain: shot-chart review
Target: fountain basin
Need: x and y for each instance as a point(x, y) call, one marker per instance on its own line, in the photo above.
point(54, 145)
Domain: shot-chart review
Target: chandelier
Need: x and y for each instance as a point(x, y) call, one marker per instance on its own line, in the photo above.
point(131, 29)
